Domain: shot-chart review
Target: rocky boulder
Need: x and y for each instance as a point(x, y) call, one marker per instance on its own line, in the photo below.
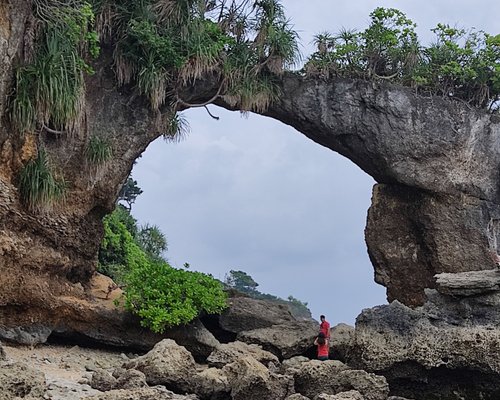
point(18, 381)
point(249, 379)
point(166, 364)
point(196, 338)
point(246, 314)
point(211, 383)
point(316, 377)
point(153, 393)
point(449, 345)
point(284, 340)
point(342, 339)
point(120, 379)
point(230, 352)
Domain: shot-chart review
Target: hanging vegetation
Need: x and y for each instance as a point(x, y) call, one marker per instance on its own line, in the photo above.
point(39, 185)
point(49, 91)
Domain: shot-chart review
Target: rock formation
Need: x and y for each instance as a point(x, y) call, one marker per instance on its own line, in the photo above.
point(435, 209)
point(436, 162)
point(447, 348)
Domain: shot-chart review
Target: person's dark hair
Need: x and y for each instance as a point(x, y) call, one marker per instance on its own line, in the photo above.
point(321, 317)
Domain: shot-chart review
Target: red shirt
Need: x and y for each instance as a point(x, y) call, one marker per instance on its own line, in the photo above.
point(323, 349)
point(325, 328)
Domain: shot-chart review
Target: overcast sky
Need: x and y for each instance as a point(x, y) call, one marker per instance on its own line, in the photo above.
point(253, 194)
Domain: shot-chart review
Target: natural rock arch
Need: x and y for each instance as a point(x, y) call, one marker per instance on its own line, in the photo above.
point(435, 207)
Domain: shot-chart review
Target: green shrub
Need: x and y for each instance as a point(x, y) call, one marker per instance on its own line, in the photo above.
point(164, 296)
point(39, 186)
point(161, 295)
point(119, 250)
point(460, 64)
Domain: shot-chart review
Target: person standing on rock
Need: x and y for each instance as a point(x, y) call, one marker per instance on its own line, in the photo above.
point(323, 346)
point(324, 327)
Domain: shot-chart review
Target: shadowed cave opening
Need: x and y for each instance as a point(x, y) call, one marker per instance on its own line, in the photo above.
point(252, 194)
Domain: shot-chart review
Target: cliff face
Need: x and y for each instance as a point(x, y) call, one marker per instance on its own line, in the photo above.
point(435, 209)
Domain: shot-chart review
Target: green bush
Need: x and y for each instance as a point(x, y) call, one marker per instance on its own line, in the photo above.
point(161, 295)
point(164, 296)
point(460, 64)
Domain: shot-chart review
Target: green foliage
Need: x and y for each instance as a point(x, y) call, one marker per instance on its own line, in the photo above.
point(164, 296)
point(460, 64)
point(241, 281)
point(98, 150)
point(244, 283)
point(129, 192)
point(39, 185)
point(163, 44)
point(161, 295)
point(152, 240)
point(50, 89)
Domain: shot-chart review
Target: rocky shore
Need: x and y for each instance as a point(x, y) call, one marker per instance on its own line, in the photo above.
point(446, 349)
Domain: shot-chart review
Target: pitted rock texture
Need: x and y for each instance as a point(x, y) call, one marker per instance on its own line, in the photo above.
point(229, 352)
point(413, 235)
point(18, 381)
point(249, 379)
point(166, 364)
point(283, 340)
point(446, 348)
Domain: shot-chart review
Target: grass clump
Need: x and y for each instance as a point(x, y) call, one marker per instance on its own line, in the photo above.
point(98, 150)
point(39, 186)
point(49, 90)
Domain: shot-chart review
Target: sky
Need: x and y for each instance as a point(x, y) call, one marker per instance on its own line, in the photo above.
point(252, 194)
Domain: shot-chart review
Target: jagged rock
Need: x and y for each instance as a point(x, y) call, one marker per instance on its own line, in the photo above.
point(316, 377)
point(283, 340)
point(370, 386)
point(249, 379)
point(297, 396)
point(166, 364)
point(195, 338)
point(152, 393)
point(350, 395)
point(342, 337)
point(446, 346)
point(468, 283)
point(211, 383)
point(230, 352)
point(2, 353)
point(291, 365)
point(129, 378)
point(103, 380)
point(246, 314)
point(17, 380)
point(27, 335)
point(412, 235)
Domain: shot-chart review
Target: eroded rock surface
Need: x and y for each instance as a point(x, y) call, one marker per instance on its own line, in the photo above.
point(449, 345)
